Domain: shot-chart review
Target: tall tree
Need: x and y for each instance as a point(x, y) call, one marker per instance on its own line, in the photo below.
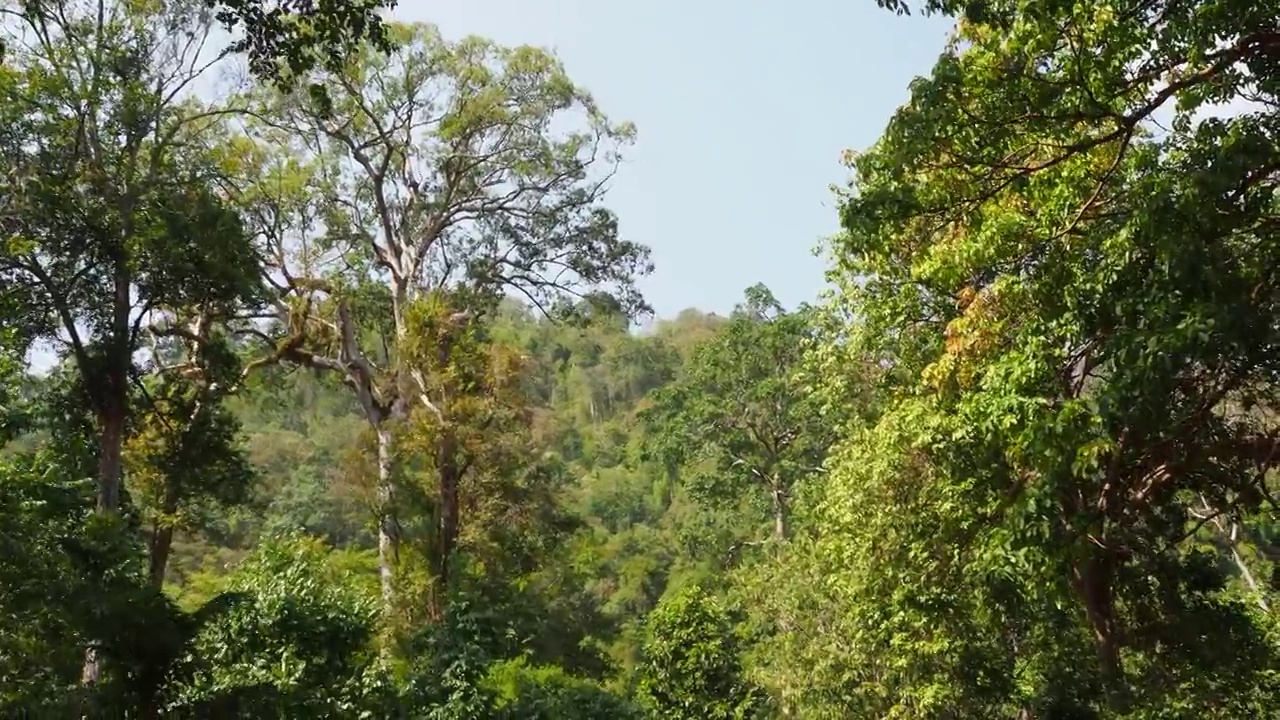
point(1080, 311)
point(110, 223)
point(440, 166)
point(183, 455)
point(744, 415)
point(473, 428)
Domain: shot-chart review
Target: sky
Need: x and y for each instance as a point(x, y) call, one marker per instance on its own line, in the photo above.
point(742, 110)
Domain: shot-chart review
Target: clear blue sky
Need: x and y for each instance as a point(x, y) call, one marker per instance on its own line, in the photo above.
point(742, 111)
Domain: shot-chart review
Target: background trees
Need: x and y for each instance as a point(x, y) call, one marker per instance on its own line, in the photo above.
point(743, 409)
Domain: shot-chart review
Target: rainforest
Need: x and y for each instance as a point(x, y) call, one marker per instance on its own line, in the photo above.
point(328, 387)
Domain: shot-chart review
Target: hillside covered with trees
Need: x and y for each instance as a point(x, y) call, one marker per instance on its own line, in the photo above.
point(354, 408)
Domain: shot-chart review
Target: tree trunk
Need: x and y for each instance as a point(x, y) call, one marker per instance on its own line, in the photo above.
point(447, 541)
point(161, 543)
point(779, 514)
point(110, 474)
point(388, 530)
point(92, 670)
point(162, 534)
point(1091, 579)
point(1230, 539)
point(110, 456)
point(1248, 577)
point(113, 393)
point(448, 518)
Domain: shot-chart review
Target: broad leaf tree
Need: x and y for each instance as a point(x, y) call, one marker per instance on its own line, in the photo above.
point(472, 445)
point(110, 224)
point(744, 418)
point(460, 166)
point(692, 667)
point(1069, 264)
point(183, 455)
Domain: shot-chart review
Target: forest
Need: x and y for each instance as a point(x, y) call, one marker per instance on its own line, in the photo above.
point(351, 405)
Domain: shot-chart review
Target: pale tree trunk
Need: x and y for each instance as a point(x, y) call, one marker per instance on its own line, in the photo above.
point(1231, 538)
point(396, 412)
point(1248, 576)
point(385, 425)
point(383, 417)
point(779, 513)
point(388, 535)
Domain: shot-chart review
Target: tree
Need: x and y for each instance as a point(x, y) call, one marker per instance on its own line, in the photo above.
point(440, 166)
point(745, 408)
point(691, 667)
point(184, 454)
point(1081, 318)
point(473, 445)
point(110, 225)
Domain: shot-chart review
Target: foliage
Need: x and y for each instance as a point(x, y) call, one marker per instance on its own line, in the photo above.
point(286, 38)
point(349, 419)
point(1076, 315)
point(743, 410)
point(549, 693)
point(68, 576)
point(291, 633)
point(691, 666)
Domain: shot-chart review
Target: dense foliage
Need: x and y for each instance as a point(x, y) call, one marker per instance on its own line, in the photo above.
point(347, 413)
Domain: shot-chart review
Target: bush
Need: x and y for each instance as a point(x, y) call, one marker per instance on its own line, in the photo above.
point(522, 692)
point(691, 667)
point(292, 636)
point(68, 578)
